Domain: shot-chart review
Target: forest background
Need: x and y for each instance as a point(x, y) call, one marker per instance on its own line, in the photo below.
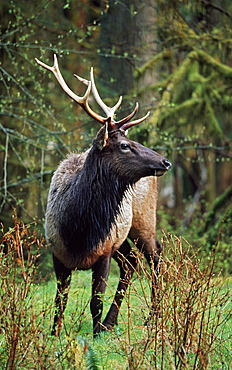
point(173, 57)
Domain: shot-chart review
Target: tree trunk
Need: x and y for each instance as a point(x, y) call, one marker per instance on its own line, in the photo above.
point(128, 40)
point(145, 40)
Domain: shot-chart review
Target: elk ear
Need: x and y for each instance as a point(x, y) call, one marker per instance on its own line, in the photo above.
point(102, 137)
point(106, 136)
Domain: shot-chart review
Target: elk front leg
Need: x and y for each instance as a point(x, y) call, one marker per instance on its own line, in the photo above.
point(99, 279)
point(63, 275)
point(127, 263)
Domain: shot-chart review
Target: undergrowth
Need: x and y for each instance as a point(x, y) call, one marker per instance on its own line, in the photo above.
point(189, 326)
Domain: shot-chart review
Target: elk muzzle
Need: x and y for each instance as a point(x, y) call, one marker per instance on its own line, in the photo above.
point(165, 165)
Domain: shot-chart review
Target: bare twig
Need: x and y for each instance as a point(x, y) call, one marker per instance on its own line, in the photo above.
point(5, 172)
point(216, 7)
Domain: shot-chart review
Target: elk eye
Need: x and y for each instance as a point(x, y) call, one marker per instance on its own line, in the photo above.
point(125, 146)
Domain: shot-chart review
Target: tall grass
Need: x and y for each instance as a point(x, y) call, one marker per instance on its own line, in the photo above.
point(188, 328)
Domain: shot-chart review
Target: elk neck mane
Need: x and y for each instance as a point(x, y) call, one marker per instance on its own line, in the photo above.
point(93, 203)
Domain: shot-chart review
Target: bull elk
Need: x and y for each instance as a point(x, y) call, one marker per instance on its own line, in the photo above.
point(99, 199)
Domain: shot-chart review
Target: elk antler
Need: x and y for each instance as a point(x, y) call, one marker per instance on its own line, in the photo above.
point(123, 123)
point(83, 101)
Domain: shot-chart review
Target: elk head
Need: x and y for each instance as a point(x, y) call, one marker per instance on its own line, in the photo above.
point(114, 129)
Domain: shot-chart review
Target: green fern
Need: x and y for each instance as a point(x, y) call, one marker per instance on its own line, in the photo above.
point(90, 355)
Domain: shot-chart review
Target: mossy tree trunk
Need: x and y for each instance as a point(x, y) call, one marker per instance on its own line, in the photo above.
point(128, 41)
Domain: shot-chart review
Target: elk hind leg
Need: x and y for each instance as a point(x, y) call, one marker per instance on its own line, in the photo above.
point(153, 260)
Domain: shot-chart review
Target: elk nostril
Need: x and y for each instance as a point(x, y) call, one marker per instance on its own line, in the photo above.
point(167, 164)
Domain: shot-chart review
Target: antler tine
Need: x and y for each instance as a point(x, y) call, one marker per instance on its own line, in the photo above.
point(133, 123)
point(108, 110)
point(82, 101)
point(83, 80)
point(120, 123)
